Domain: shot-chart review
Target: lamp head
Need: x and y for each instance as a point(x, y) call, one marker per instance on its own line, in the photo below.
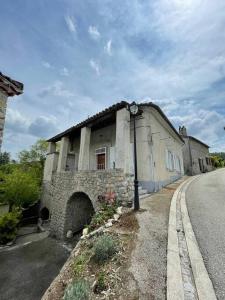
point(133, 108)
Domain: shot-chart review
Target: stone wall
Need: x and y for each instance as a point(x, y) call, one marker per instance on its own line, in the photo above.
point(58, 192)
point(3, 103)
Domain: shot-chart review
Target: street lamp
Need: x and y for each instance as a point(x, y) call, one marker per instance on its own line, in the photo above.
point(134, 109)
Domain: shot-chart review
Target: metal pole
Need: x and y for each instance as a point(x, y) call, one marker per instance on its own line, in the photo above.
point(136, 194)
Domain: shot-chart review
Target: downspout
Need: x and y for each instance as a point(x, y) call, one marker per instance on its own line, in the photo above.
point(190, 156)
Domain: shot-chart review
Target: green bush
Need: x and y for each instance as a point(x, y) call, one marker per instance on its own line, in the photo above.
point(104, 248)
point(8, 226)
point(19, 189)
point(78, 290)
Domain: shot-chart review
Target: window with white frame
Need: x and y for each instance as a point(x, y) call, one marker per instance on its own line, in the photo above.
point(177, 164)
point(172, 161)
point(101, 158)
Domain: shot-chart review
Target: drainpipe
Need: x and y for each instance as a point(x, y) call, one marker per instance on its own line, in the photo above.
point(190, 156)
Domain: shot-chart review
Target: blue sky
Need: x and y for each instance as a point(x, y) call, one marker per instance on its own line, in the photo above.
point(77, 57)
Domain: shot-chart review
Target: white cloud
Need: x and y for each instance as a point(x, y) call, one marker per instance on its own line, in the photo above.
point(15, 121)
point(94, 65)
point(94, 33)
point(108, 47)
point(47, 65)
point(64, 72)
point(70, 23)
point(56, 89)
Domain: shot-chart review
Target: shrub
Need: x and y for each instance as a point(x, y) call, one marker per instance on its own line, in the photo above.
point(8, 226)
point(78, 290)
point(19, 189)
point(104, 248)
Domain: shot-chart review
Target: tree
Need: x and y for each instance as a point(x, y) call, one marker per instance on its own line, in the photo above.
point(19, 189)
point(37, 153)
point(217, 161)
point(4, 158)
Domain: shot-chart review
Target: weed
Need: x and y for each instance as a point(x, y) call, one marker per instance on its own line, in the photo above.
point(101, 284)
point(80, 263)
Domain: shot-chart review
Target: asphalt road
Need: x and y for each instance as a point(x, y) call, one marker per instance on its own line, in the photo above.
point(206, 206)
point(26, 272)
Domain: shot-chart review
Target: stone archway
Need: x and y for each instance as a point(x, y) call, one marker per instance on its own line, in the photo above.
point(79, 211)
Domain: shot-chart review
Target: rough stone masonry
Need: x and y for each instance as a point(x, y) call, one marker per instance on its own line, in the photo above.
point(58, 194)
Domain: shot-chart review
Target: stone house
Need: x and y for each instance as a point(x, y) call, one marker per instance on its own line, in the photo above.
point(195, 154)
point(8, 88)
point(96, 159)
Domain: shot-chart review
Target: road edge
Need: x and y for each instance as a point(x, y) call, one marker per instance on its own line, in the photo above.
point(203, 283)
point(175, 287)
point(175, 290)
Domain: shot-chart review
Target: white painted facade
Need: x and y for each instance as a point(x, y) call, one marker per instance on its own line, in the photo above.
point(159, 149)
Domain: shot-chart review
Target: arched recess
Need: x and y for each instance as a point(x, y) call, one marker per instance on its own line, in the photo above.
point(44, 213)
point(79, 212)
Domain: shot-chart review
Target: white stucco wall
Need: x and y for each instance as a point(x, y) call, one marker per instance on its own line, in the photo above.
point(51, 164)
point(154, 137)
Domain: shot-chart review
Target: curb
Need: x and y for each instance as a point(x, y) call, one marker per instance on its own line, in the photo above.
point(175, 285)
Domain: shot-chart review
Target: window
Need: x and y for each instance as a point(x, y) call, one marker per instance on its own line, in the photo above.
point(172, 161)
point(169, 160)
point(101, 158)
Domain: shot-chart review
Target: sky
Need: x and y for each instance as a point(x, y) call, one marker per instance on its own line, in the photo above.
point(77, 57)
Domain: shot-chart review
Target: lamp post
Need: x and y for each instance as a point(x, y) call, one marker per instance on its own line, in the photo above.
point(134, 111)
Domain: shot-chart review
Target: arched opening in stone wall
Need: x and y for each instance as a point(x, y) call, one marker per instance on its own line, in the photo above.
point(44, 213)
point(79, 212)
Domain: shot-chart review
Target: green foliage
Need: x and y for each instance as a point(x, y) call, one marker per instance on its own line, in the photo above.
point(218, 154)
point(37, 153)
point(19, 189)
point(8, 226)
point(78, 290)
point(218, 161)
point(8, 168)
point(100, 217)
point(4, 158)
point(104, 248)
point(80, 263)
point(101, 283)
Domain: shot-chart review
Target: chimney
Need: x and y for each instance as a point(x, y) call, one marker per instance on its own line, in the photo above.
point(182, 130)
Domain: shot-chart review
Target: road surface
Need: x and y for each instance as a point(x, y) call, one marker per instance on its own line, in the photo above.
point(26, 272)
point(206, 206)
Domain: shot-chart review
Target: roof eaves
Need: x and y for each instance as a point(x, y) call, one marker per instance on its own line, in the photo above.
point(151, 104)
point(198, 141)
point(89, 120)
